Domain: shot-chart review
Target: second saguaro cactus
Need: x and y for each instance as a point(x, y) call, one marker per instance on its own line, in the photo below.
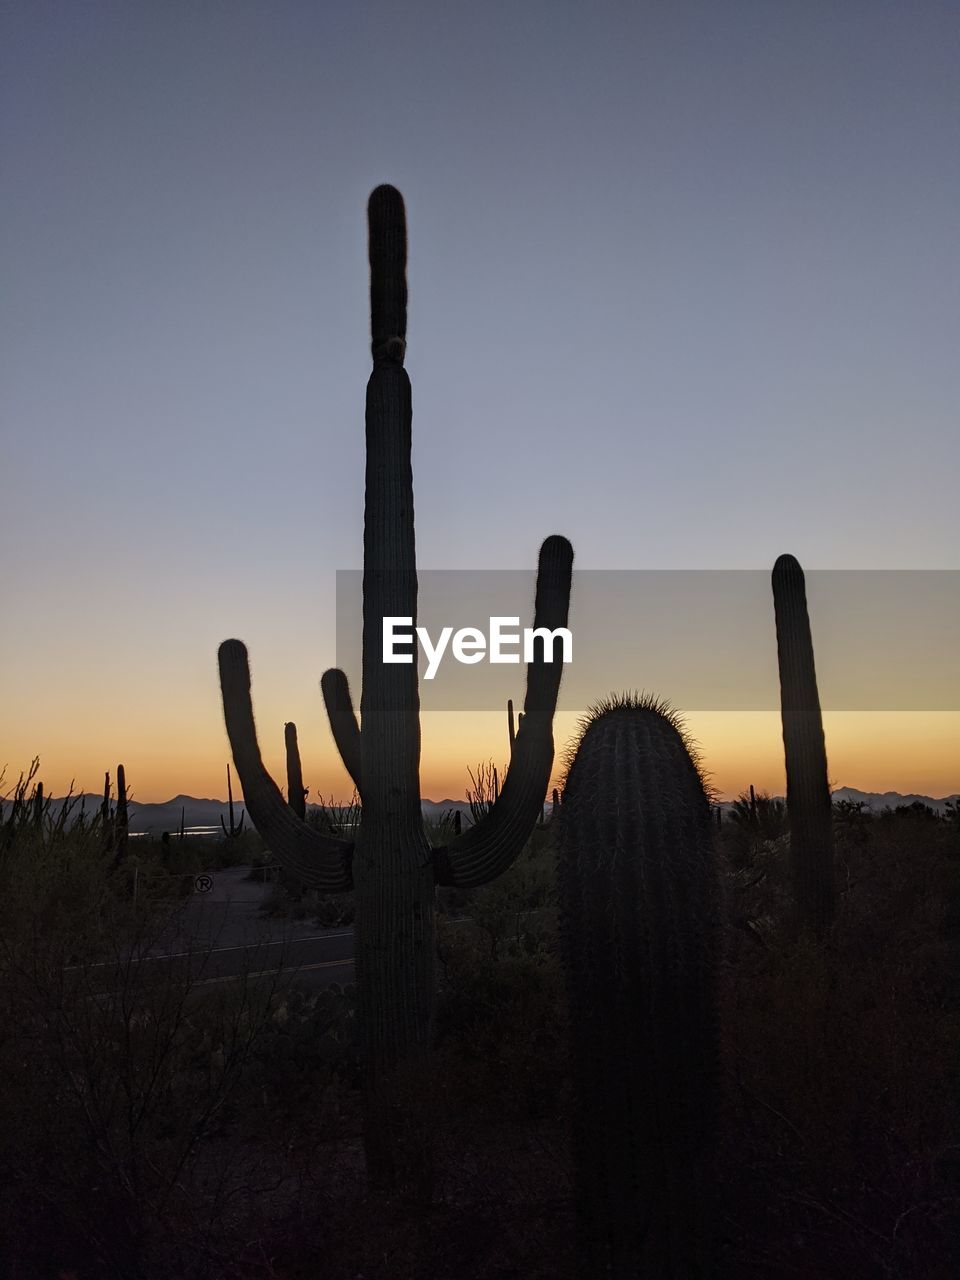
point(809, 805)
point(640, 914)
point(391, 866)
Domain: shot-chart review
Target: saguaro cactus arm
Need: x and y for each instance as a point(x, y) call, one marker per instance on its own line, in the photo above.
point(489, 847)
point(343, 722)
point(321, 862)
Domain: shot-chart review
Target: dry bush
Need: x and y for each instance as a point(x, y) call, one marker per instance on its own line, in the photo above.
point(842, 1092)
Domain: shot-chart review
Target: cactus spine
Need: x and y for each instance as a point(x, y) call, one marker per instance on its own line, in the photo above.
point(390, 866)
point(235, 829)
point(808, 789)
point(639, 898)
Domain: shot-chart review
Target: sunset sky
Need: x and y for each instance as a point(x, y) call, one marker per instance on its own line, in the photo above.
point(684, 285)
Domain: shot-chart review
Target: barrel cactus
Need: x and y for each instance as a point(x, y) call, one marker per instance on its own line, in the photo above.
point(809, 806)
point(391, 866)
point(640, 912)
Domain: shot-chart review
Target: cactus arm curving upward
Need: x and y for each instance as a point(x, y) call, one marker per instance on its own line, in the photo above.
point(321, 862)
point(296, 795)
point(343, 722)
point(808, 790)
point(489, 847)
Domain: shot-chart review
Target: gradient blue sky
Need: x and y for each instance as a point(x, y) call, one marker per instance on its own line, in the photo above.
point(683, 286)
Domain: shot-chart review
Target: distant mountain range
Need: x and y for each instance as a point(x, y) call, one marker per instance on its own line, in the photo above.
point(876, 801)
point(154, 818)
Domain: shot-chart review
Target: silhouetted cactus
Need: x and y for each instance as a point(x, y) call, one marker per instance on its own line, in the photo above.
point(121, 823)
point(391, 867)
point(296, 792)
point(236, 829)
point(105, 806)
point(107, 818)
point(808, 789)
point(640, 902)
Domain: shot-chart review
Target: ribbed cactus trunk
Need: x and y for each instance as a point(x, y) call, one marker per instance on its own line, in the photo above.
point(808, 790)
point(393, 864)
point(639, 898)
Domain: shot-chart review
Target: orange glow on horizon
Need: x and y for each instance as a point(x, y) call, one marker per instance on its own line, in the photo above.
point(872, 751)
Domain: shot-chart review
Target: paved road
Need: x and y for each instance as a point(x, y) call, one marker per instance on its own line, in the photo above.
point(222, 936)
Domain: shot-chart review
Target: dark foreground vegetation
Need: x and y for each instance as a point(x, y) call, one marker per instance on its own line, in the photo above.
point(154, 1129)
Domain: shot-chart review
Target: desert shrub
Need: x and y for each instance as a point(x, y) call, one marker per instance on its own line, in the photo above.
point(841, 1090)
point(325, 910)
point(306, 1063)
point(501, 1018)
point(117, 1074)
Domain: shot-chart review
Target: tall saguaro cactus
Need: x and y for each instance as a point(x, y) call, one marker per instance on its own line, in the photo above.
point(391, 866)
point(639, 899)
point(808, 790)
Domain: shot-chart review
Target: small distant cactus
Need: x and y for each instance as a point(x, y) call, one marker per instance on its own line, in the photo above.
point(808, 789)
point(639, 898)
point(236, 829)
point(296, 791)
point(105, 811)
point(121, 823)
